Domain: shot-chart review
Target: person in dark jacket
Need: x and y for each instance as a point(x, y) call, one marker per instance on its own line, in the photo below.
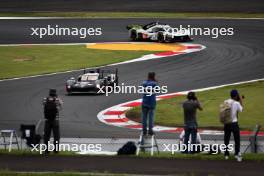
point(190, 107)
point(149, 104)
point(52, 104)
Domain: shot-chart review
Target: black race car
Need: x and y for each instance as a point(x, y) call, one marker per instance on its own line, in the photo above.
point(92, 81)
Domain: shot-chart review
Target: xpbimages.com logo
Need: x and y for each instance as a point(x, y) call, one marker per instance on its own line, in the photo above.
point(213, 148)
point(50, 147)
point(202, 31)
point(56, 30)
point(127, 89)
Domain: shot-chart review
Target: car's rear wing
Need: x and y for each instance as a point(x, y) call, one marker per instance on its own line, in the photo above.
point(145, 27)
point(134, 26)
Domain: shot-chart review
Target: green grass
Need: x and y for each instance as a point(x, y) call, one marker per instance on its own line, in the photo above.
point(18, 61)
point(198, 156)
point(131, 14)
point(27, 152)
point(204, 156)
point(11, 173)
point(170, 113)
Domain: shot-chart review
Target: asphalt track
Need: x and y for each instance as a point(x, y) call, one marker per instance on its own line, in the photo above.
point(226, 60)
point(254, 6)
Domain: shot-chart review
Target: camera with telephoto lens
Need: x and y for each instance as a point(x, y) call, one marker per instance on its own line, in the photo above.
point(238, 98)
point(191, 96)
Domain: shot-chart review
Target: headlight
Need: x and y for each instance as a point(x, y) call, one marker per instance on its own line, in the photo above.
point(98, 86)
point(68, 86)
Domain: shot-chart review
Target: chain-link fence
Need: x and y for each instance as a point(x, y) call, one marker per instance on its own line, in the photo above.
point(112, 144)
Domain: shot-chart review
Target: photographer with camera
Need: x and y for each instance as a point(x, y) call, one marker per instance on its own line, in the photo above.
point(236, 106)
point(149, 104)
point(52, 105)
point(190, 107)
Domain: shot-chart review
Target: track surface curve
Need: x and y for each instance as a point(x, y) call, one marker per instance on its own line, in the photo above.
point(132, 6)
point(226, 60)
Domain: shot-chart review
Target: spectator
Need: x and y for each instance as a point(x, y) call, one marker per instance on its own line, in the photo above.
point(236, 105)
point(149, 103)
point(52, 104)
point(190, 107)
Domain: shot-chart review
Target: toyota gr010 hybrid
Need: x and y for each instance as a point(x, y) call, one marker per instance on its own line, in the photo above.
point(92, 81)
point(157, 32)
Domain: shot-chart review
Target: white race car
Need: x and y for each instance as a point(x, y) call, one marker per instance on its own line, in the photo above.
point(157, 32)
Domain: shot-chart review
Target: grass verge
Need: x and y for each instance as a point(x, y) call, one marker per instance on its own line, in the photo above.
point(26, 60)
point(132, 15)
point(12, 173)
point(178, 156)
point(169, 112)
point(197, 156)
point(204, 156)
point(28, 152)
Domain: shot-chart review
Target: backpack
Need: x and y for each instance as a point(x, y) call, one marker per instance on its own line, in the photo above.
point(128, 149)
point(29, 133)
point(225, 115)
point(50, 109)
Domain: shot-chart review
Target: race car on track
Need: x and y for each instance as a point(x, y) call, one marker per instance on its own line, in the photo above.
point(92, 81)
point(157, 32)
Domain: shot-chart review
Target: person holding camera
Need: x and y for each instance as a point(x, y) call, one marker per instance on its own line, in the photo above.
point(236, 105)
point(149, 103)
point(52, 104)
point(190, 107)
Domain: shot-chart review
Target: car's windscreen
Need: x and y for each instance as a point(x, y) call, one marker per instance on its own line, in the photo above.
point(147, 26)
point(157, 29)
point(89, 77)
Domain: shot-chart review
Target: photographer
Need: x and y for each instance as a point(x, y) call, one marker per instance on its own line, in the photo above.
point(190, 107)
point(52, 104)
point(236, 105)
point(149, 104)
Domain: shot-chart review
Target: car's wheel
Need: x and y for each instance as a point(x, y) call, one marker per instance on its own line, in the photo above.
point(168, 39)
point(185, 38)
point(133, 35)
point(140, 37)
point(188, 38)
point(160, 37)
